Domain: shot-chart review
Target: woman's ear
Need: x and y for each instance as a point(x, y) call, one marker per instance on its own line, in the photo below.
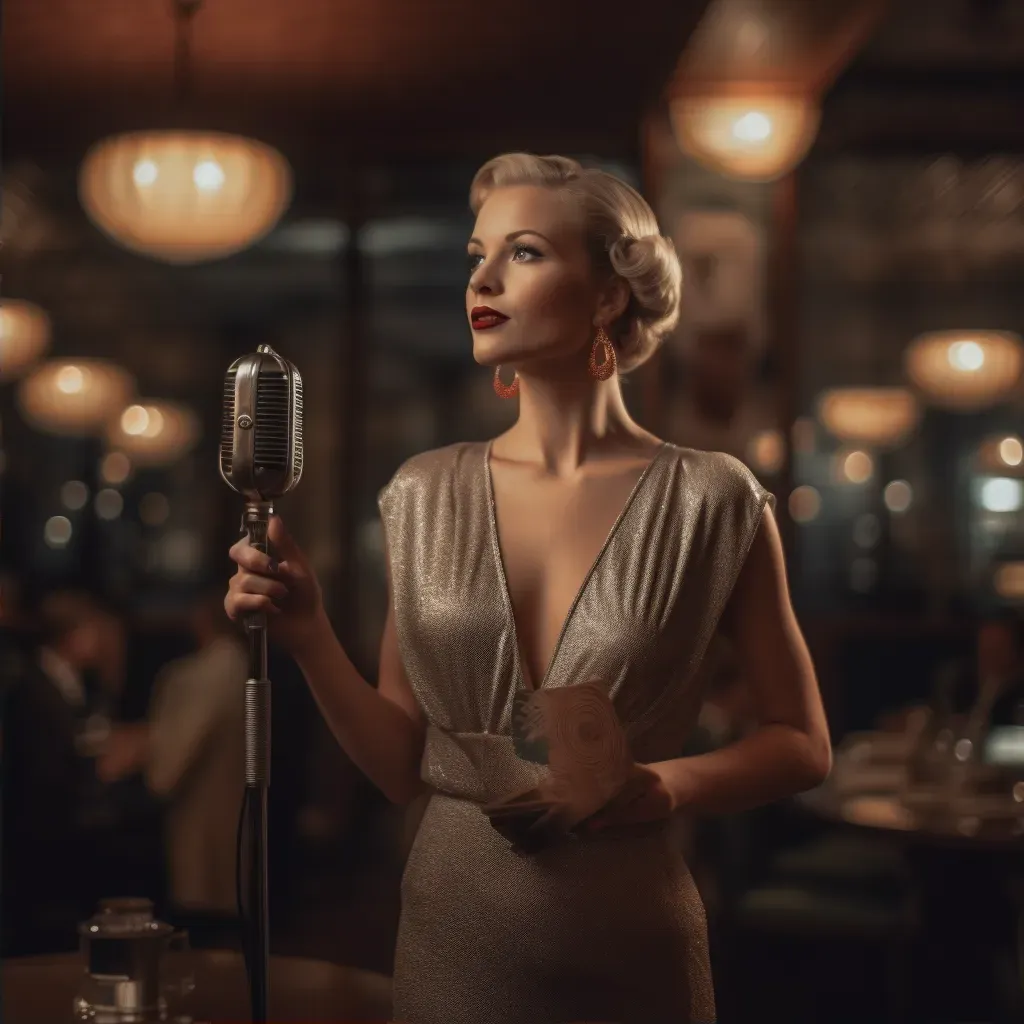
point(612, 301)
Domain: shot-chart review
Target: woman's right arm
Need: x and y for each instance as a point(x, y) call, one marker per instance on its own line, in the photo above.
point(380, 728)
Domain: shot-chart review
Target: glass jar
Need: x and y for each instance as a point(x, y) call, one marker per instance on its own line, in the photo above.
point(124, 946)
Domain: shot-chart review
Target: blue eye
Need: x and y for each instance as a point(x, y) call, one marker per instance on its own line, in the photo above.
point(525, 253)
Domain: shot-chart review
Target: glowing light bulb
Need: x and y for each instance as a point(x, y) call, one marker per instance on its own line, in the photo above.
point(70, 380)
point(57, 531)
point(154, 422)
point(1002, 494)
point(899, 496)
point(858, 467)
point(135, 420)
point(804, 504)
point(1011, 451)
point(752, 127)
point(144, 173)
point(967, 356)
point(208, 176)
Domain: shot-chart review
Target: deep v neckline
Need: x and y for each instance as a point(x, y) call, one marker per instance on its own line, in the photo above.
point(499, 562)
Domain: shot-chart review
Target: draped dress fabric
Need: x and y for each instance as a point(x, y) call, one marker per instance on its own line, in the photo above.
point(601, 928)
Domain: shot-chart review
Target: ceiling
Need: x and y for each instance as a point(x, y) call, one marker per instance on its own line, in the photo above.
point(790, 44)
point(937, 76)
point(387, 76)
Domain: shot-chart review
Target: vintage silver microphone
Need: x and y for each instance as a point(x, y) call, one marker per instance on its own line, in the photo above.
point(261, 458)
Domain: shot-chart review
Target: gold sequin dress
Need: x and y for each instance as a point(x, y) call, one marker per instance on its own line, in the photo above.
point(593, 929)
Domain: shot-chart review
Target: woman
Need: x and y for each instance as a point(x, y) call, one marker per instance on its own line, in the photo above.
point(574, 547)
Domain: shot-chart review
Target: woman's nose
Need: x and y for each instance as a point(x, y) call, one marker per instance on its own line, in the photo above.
point(485, 280)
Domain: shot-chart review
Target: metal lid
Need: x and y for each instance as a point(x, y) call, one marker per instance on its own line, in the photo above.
point(124, 919)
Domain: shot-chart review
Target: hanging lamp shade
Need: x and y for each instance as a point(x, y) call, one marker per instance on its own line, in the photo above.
point(754, 138)
point(184, 197)
point(24, 336)
point(965, 371)
point(874, 417)
point(154, 433)
point(74, 396)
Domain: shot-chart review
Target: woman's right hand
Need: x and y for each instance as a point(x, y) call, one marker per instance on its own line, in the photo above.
point(281, 584)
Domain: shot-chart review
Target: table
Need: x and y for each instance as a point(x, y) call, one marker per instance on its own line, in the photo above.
point(40, 990)
point(965, 855)
point(966, 826)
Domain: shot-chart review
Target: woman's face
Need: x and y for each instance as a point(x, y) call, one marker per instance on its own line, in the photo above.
point(532, 297)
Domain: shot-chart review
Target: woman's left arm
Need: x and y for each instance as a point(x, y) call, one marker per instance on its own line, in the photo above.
point(789, 752)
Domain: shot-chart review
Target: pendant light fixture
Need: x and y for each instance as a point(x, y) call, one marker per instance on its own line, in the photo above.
point(153, 432)
point(755, 137)
point(874, 417)
point(965, 371)
point(74, 397)
point(24, 336)
point(184, 196)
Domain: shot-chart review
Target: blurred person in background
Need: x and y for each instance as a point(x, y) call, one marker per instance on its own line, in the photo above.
point(54, 717)
point(500, 552)
point(190, 752)
point(84, 655)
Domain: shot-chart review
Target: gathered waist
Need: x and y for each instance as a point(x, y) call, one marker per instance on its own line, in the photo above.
point(478, 767)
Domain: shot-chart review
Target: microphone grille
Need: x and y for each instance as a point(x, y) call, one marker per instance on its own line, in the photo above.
point(261, 428)
point(227, 428)
point(297, 409)
point(271, 436)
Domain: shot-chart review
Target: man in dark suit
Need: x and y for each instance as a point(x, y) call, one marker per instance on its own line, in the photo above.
point(49, 726)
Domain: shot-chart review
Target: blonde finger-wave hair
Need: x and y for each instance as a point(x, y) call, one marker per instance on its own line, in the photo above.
point(622, 236)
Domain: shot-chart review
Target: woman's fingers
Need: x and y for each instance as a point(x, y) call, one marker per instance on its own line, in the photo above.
point(248, 583)
point(241, 604)
point(248, 557)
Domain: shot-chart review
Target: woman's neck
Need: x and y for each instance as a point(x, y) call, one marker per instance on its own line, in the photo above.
point(564, 423)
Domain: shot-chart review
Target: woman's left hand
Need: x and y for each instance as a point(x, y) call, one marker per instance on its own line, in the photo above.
point(645, 798)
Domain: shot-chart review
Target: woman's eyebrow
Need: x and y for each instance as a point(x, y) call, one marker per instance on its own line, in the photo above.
point(514, 235)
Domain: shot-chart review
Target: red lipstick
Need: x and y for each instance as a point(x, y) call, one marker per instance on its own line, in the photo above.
point(483, 318)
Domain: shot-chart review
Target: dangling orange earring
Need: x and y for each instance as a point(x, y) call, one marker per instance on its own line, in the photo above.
point(505, 390)
point(604, 370)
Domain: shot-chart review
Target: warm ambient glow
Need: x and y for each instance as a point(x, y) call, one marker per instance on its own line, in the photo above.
point(115, 468)
point(74, 397)
point(154, 433)
point(756, 138)
point(1011, 451)
point(965, 370)
point(184, 197)
point(766, 452)
point(855, 467)
point(24, 336)
point(1008, 580)
point(999, 453)
point(804, 504)
point(898, 496)
point(876, 417)
point(57, 532)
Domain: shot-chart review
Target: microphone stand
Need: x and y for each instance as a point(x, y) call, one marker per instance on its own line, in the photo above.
point(256, 521)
